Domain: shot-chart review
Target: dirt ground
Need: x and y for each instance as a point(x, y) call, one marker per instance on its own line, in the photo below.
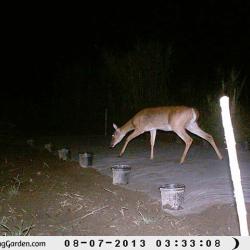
point(42, 195)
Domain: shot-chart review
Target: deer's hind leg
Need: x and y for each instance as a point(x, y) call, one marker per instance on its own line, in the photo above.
point(195, 129)
point(187, 139)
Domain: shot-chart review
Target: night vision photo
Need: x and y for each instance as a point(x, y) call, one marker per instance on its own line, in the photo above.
point(110, 119)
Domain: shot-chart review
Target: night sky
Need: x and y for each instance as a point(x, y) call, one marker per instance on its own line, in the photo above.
point(56, 65)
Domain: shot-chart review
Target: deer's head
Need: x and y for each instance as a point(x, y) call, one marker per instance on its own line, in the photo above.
point(116, 137)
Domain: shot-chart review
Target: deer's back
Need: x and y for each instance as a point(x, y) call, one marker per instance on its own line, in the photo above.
point(164, 118)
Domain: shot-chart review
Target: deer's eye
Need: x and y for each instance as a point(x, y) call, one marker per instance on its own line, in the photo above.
point(113, 135)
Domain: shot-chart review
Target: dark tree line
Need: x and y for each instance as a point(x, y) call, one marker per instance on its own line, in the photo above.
point(73, 94)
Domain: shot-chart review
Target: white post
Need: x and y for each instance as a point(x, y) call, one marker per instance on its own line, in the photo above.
point(234, 166)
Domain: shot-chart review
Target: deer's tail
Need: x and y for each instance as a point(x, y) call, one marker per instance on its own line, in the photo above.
point(195, 114)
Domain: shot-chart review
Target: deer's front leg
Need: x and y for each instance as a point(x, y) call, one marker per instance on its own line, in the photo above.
point(152, 142)
point(130, 137)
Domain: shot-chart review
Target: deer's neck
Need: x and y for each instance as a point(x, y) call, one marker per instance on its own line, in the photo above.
point(128, 126)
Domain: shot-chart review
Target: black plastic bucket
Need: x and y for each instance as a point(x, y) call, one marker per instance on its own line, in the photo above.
point(64, 154)
point(121, 174)
point(172, 196)
point(85, 159)
point(49, 147)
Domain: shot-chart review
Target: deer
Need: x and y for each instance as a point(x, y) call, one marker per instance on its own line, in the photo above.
point(178, 119)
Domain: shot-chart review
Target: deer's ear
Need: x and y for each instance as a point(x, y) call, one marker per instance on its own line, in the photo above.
point(115, 127)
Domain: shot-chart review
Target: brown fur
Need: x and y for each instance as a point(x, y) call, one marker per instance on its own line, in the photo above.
point(168, 118)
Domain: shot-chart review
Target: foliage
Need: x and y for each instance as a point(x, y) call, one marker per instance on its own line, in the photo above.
point(232, 85)
point(139, 77)
point(14, 189)
point(18, 230)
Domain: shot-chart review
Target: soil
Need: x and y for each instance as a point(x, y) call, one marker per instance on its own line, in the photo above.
point(42, 195)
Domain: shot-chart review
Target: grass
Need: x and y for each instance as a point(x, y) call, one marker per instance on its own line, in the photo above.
point(144, 220)
point(14, 189)
point(18, 230)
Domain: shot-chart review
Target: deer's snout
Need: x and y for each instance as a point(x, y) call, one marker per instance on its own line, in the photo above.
point(115, 140)
point(112, 144)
